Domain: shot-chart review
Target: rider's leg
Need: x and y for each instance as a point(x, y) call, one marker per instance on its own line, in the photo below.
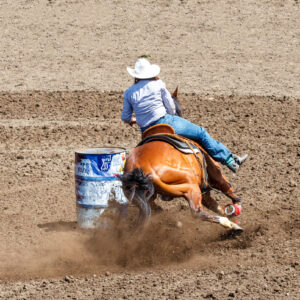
point(183, 127)
point(217, 150)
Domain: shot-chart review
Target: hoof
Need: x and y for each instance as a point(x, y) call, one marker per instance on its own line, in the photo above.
point(228, 224)
point(237, 228)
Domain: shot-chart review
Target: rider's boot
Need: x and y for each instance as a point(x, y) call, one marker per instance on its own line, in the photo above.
point(234, 161)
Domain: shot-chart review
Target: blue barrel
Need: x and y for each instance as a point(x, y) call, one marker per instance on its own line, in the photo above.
point(97, 183)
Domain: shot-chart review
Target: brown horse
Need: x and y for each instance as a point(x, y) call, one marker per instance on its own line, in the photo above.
point(159, 168)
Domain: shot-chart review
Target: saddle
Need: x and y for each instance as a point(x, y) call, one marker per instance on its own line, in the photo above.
point(173, 140)
point(165, 133)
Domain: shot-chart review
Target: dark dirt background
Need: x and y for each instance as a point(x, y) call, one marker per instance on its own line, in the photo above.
point(44, 255)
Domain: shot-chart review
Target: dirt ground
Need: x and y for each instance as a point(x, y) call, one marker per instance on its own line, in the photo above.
point(44, 254)
point(62, 76)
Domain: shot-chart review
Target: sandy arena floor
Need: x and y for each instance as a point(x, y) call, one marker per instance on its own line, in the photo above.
point(63, 73)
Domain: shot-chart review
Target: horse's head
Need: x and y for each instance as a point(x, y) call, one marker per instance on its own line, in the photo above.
point(178, 109)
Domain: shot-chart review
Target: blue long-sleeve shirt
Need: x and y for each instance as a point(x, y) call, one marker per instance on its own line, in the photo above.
point(149, 100)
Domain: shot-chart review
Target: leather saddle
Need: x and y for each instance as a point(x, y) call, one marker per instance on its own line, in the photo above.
point(165, 133)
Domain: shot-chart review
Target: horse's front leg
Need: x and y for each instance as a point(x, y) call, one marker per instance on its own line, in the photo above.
point(212, 204)
point(219, 181)
point(229, 211)
point(235, 208)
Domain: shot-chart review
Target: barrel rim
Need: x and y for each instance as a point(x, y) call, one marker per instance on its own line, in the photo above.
point(95, 206)
point(87, 151)
point(98, 178)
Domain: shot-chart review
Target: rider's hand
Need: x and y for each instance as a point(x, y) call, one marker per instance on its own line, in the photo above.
point(133, 121)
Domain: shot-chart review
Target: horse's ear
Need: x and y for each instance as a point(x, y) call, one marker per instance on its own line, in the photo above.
point(175, 93)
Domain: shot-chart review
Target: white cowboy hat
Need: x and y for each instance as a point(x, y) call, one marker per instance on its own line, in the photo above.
point(143, 69)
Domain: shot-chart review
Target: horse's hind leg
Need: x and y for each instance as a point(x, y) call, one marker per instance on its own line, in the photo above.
point(195, 200)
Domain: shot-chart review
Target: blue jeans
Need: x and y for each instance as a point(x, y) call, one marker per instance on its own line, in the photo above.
point(197, 133)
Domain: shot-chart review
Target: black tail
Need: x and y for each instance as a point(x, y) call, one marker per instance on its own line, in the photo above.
point(139, 188)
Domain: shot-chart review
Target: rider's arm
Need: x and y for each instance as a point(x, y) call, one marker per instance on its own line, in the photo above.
point(127, 110)
point(168, 101)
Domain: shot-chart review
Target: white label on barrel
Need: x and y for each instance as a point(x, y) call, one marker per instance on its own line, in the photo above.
point(99, 193)
point(83, 168)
